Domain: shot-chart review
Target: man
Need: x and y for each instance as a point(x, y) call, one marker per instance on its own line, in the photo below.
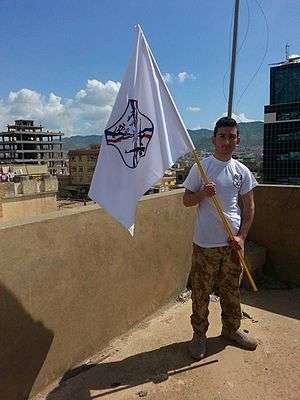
point(214, 259)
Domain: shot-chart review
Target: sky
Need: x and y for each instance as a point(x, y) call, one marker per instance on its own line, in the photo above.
point(62, 61)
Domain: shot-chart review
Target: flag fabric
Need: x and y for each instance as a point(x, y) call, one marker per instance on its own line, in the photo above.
point(144, 136)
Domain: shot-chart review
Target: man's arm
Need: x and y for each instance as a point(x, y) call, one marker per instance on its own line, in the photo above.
point(247, 214)
point(247, 219)
point(194, 198)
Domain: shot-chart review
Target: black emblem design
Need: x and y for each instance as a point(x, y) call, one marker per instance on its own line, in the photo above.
point(237, 180)
point(131, 134)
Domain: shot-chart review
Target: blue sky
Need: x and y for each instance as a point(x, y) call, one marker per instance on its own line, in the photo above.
point(62, 61)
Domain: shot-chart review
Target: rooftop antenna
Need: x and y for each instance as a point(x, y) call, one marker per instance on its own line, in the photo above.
point(287, 52)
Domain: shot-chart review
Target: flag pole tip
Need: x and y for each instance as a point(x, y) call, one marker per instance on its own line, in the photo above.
point(137, 27)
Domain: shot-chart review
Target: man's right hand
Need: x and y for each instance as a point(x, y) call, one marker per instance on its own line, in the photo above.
point(209, 189)
point(195, 198)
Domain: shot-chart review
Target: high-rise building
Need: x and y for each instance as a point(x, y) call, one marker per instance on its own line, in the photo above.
point(281, 160)
point(28, 144)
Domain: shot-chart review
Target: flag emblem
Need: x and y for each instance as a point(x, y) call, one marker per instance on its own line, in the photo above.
point(131, 134)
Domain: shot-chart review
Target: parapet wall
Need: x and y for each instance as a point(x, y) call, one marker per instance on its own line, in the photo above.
point(277, 227)
point(28, 197)
point(72, 280)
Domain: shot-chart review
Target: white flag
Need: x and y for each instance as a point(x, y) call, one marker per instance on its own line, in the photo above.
point(144, 136)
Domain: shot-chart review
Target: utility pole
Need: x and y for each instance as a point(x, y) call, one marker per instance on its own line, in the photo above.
point(233, 56)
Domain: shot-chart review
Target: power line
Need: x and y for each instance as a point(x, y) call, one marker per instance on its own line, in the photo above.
point(264, 55)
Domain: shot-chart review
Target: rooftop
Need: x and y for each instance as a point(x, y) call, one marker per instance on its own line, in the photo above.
point(152, 361)
point(293, 59)
point(74, 281)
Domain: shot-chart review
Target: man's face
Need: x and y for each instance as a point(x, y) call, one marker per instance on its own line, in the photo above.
point(226, 140)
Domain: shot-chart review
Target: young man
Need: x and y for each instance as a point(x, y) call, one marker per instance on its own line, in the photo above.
point(214, 259)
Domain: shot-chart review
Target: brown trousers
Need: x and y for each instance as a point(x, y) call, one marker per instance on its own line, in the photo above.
point(215, 266)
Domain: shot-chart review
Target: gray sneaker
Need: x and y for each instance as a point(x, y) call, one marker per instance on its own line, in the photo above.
point(241, 338)
point(197, 346)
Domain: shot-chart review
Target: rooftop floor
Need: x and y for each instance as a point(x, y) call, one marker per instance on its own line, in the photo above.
point(152, 361)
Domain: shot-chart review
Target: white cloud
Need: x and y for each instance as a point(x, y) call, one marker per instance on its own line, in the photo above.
point(196, 127)
point(183, 76)
point(86, 113)
point(238, 117)
point(242, 118)
point(168, 78)
point(98, 93)
point(193, 109)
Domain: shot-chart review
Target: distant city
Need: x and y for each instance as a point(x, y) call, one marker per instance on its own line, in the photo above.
point(44, 164)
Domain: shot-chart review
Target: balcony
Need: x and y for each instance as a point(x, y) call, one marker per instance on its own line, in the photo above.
point(73, 280)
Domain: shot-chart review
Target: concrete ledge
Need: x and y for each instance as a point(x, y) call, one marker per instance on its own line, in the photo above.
point(23, 196)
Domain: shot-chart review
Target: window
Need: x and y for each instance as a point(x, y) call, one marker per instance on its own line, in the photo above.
point(295, 155)
point(283, 116)
point(285, 84)
point(292, 155)
point(286, 137)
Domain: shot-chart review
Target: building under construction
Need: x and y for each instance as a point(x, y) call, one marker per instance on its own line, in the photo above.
point(26, 144)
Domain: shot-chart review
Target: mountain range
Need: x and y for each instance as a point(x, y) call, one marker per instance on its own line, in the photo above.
point(251, 136)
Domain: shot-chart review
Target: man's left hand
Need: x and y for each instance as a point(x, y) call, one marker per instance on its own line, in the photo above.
point(238, 243)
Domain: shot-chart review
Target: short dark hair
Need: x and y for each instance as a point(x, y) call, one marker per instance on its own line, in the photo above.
point(224, 122)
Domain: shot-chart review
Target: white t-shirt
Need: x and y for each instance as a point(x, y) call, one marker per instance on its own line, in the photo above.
point(232, 178)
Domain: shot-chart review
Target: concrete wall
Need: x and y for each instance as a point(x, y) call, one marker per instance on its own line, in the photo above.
point(73, 280)
point(27, 197)
point(277, 227)
point(24, 206)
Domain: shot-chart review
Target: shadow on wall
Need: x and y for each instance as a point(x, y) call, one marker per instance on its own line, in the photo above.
point(24, 344)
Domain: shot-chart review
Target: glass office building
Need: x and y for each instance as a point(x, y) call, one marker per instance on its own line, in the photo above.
point(282, 125)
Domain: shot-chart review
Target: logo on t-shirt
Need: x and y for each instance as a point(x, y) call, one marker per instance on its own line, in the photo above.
point(237, 180)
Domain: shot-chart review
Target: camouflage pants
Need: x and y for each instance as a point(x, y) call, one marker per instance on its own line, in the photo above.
point(220, 266)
